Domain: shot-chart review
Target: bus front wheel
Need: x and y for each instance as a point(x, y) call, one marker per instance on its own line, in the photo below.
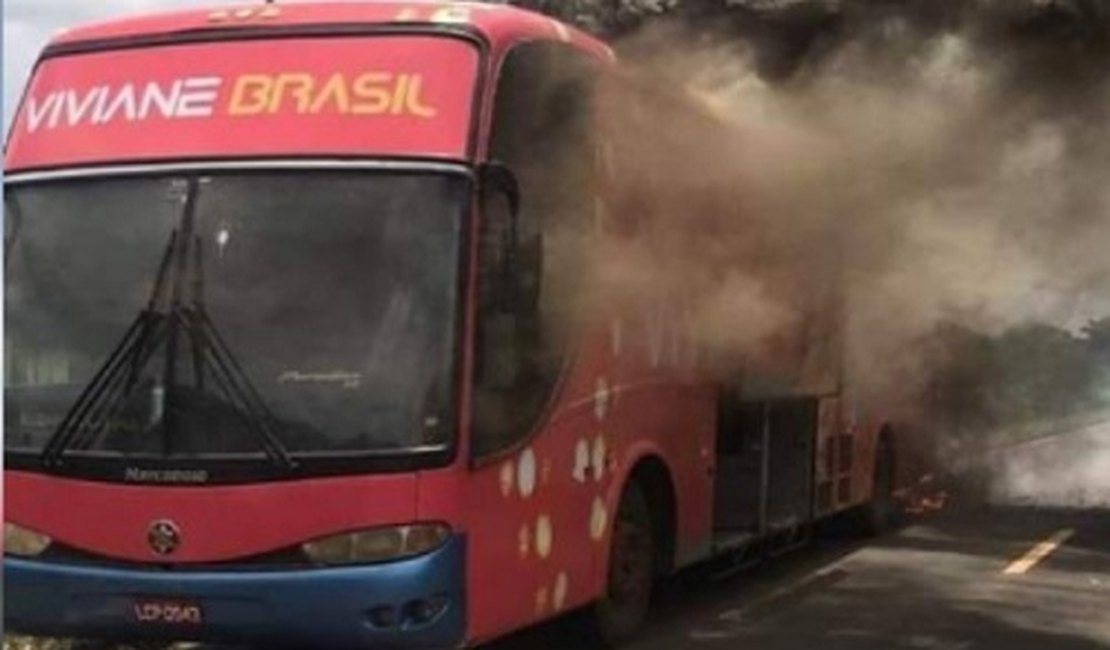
point(623, 608)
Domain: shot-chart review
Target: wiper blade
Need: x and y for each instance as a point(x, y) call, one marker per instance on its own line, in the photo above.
point(14, 217)
point(85, 418)
point(233, 381)
point(106, 395)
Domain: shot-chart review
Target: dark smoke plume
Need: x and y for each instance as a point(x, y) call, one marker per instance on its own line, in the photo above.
point(864, 174)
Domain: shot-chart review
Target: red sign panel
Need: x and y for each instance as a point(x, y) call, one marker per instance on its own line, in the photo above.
point(384, 95)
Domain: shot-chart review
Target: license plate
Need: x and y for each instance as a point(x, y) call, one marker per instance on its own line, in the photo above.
point(167, 611)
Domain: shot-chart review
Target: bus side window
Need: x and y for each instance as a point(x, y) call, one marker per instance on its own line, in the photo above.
point(542, 132)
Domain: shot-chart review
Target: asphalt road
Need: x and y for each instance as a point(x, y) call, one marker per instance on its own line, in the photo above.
point(938, 584)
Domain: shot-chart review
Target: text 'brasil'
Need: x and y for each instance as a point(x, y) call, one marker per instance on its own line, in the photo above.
point(367, 94)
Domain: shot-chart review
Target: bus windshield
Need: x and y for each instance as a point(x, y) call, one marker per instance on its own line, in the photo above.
point(329, 302)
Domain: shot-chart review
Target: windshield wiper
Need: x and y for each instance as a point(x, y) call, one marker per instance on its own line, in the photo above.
point(116, 377)
point(114, 382)
point(14, 217)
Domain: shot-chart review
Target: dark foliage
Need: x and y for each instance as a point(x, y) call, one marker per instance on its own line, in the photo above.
point(1061, 34)
point(1027, 373)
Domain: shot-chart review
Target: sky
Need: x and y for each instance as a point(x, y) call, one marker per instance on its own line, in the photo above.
point(28, 25)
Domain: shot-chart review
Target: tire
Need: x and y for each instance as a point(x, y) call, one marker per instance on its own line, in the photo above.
point(881, 514)
point(621, 611)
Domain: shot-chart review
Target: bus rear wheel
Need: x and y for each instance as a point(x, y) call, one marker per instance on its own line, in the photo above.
point(881, 514)
point(622, 610)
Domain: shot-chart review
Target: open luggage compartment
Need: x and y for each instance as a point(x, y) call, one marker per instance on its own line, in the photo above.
point(765, 463)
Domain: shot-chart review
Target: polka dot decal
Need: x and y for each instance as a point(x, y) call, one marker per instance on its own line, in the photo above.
point(507, 474)
point(597, 458)
point(526, 473)
point(576, 467)
point(581, 461)
point(524, 540)
point(545, 535)
point(451, 15)
point(559, 592)
point(599, 520)
point(541, 600)
point(602, 396)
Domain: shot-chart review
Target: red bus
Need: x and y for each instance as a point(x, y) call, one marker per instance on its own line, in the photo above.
point(292, 355)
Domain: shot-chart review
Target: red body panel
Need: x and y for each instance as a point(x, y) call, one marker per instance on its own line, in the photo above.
point(541, 516)
point(396, 96)
point(217, 523)
point(499, 24)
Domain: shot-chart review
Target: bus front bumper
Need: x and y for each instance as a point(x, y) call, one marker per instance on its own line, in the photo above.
point(412, 603)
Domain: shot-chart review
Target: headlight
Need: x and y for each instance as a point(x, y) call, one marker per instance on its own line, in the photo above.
point(377, 545)
point(23, 542)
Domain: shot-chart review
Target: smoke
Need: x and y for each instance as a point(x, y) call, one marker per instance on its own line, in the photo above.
point(901, 178)
point(1073, 471)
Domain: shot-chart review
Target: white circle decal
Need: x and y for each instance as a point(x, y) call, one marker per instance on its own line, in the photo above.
point(526, 473)
point(524, 540)
point(599, 519)
point(507, 478)
point(544, 536)
point(597, 459)
point(559, 593)
point(451, 15)
point(601, 399)
point(541, 600)
point(581, 460)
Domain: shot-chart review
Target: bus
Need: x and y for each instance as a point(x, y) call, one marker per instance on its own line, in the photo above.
point(299, 349)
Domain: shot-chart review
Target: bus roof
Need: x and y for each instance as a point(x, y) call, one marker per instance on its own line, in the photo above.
point(500, 24)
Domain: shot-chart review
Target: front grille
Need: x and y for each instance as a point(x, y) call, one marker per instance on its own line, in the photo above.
point(282, 559)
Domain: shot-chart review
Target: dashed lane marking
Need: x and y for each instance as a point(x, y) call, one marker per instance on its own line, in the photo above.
point(1039, 552)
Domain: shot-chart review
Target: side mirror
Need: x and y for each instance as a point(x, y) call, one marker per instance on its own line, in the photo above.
point(499, 200)
point(522, 255)
point(506, 280)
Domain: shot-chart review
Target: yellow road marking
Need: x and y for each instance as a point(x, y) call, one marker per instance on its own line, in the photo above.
point(1038, 553)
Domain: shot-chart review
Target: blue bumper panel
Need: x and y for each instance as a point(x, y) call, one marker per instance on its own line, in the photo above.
point(374, 606)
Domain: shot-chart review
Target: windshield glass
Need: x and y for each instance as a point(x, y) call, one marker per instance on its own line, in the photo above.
point(202, 315)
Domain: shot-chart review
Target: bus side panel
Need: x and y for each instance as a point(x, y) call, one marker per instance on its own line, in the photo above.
point(532, 539)
point(540, 519)
point(690, 450)
point(866, 449)
point(666, 404)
